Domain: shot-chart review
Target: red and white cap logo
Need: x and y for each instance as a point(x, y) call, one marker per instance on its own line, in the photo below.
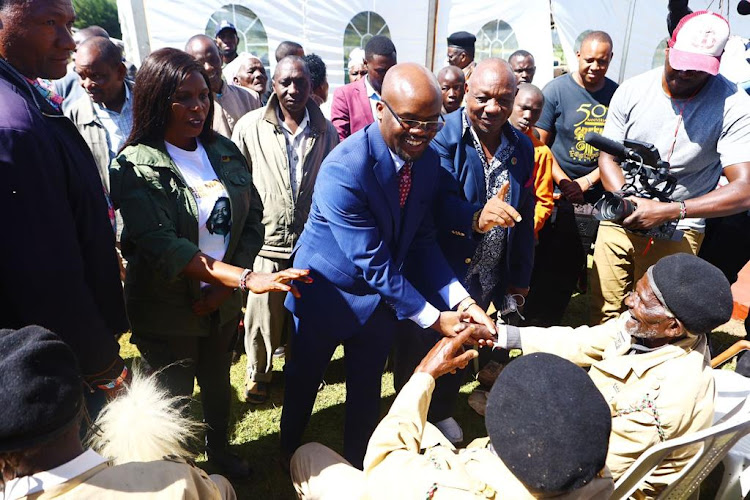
point(698, 42)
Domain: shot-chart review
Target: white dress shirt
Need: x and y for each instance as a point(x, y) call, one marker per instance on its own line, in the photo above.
point(296, 147)
point(372, 95)
point(452, 293)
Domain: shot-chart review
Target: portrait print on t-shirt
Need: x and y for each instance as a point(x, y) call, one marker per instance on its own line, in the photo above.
point(220, 220)
point(215, 219)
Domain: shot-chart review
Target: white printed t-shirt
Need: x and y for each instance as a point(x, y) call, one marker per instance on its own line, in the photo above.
point(214, 210)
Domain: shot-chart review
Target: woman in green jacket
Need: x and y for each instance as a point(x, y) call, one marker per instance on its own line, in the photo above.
point(192, 229)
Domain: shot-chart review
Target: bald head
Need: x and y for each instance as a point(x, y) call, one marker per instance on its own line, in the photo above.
point(204, 50)
point(489, 102)
point(410, 95)
point(411, 81)
point(197, 43)
point(453, 87)
point(450, 72)
point(493, 72)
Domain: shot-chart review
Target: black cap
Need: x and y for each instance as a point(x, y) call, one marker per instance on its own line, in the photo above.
point(548, 423)
point(696, 292)
point(462, 39)
point(41, 391)
point(225, 25)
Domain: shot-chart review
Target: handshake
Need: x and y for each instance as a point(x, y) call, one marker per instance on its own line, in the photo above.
point(449, 354)
point(449, 323)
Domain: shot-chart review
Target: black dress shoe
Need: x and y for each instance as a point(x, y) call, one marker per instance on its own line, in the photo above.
point(229, 463)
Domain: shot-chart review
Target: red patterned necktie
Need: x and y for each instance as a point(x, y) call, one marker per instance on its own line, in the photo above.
point(404, 183)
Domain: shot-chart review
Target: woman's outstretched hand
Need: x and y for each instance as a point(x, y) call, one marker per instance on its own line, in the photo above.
point(278, 282)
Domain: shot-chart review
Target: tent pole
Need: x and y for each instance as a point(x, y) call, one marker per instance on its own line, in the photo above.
point(134, 27)
point(626, 48)
point(432, 11)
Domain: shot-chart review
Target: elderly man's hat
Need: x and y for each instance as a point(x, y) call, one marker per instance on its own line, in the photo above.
point(696, 292)
point(462, 39)
point(548, 423)
point(41, 393)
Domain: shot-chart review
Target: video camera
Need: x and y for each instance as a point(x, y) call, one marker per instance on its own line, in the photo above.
point(641, 162)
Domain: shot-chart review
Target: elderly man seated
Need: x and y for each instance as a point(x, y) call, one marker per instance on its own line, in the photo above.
point(548, 430)
point(651, 364)
point(41, 456)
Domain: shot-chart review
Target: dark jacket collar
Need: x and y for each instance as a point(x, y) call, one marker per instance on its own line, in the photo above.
point(24, 88)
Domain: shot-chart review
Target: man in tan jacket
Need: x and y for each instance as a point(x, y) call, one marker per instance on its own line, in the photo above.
point(548, 430)
point(651, 364)
point(284, 144)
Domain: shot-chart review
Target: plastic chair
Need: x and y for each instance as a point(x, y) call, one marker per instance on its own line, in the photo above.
point(731, 390)
point(716, 442)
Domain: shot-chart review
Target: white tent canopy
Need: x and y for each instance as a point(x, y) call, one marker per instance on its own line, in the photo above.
point(419, 28)
point(638, 29)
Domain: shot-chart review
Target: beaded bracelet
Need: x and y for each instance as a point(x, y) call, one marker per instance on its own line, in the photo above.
point(116, 382)
point(243, 279)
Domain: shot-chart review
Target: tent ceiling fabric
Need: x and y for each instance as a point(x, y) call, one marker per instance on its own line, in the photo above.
point(529, 19)
point(649, 28)
point(318, 25)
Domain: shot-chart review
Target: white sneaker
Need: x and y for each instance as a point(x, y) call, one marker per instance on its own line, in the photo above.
point(451, 430)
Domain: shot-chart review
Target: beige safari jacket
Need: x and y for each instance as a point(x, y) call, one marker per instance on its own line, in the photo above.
point(654, 396)
point(261, 140)
point(408, 458)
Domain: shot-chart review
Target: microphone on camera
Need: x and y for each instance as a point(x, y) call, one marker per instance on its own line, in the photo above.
point(609, 146)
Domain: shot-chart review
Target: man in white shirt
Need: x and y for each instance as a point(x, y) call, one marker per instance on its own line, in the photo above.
point(284, 144)
point(104, 115)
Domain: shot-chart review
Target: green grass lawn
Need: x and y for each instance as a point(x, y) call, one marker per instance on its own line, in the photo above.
point(255, 434)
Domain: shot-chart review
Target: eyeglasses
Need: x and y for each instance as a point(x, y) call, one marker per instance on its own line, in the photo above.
point(430, 127)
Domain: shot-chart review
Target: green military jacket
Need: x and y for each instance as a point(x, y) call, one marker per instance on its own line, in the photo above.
point(161, 235)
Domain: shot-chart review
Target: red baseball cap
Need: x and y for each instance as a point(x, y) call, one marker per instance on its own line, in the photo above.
point(698, 42)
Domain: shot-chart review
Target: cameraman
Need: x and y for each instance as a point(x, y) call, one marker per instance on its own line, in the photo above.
point(700, 124)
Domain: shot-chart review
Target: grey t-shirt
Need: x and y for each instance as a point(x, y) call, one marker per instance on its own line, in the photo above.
point(712, 133)
point(569, 113)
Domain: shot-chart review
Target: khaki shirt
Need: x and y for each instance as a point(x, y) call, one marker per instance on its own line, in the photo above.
point(231, 104)
point(409, 458)
point(654, 396)
point(161, 479)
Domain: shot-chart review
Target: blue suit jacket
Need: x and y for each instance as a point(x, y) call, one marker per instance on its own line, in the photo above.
point(357, 237)
point(463, 192)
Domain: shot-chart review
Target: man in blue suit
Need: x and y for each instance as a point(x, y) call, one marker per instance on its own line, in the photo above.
point(484, 217)
point(371, 207)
